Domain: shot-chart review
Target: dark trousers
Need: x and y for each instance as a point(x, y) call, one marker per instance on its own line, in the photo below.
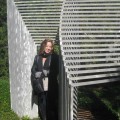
point(47, 109)
point(42, 105)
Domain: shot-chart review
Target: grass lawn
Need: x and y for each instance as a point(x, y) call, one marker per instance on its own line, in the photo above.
point(5, 111)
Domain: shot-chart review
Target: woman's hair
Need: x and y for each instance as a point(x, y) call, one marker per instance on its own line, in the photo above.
point(44, 43)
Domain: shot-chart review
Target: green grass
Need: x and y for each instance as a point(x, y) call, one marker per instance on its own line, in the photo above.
point(5, 111)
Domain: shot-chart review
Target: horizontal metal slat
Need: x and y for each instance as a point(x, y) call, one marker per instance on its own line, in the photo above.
point(90, 50)
point(42, 28)
point(109, 54)
point(91, 3)
point(41, 25)
point(37, 7)
point(93, 31)
point(94, 8)
point(41, 13)
point(39, 37)
point(79, 40)
point(110, 45)
point(92, 35)
point(94, 82)
point(41, 21)
point(100, 65)
point(99, 13)
point(42, 16)
point(100, 1)
point(90, 26)
point(97, 76)
point(37, 1)
point(39, 34)
point(94, 60)
point(38, 10)
point(93, 71)
point(116, 19)
point(42, 31)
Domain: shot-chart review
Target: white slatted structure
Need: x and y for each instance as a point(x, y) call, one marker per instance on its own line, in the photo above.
point(90, 42)
point(41, 17)
point(22, 50)
point(29, 22)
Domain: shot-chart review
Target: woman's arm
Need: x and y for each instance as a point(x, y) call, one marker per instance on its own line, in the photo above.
point(34, 67)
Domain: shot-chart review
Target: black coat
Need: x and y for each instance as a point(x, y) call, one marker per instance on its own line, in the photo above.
point(52, 77)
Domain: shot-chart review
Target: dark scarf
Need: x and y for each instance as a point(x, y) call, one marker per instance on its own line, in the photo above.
point(46, 65)
point(45, 55)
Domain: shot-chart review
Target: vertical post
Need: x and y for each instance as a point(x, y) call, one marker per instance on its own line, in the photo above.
point(71, 105)
point(63, 96)
point(61, 107)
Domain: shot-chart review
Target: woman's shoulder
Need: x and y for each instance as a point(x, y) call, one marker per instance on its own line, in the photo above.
point(36, 57)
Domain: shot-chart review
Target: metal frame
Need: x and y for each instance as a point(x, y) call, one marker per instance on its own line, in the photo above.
point(90, 44)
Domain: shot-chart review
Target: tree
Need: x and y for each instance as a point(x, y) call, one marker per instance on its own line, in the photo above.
point(3, 12)
point(3, 40)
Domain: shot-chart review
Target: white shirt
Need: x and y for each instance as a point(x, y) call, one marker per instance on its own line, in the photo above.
point(45, 83)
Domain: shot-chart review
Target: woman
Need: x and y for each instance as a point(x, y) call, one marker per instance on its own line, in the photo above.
point(44, 80)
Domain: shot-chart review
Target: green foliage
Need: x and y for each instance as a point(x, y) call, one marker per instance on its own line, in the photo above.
point(3, 40)
point(3, 12)
point(110, 96)
point(56, 48)
point(25, 118)
point(84, 99)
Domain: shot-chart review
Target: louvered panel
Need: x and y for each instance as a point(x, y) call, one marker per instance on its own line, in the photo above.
point(40, 14)
point(73, 104)
point(90, 41)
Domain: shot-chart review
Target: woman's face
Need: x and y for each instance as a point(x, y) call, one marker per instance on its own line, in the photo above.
point(48, 47)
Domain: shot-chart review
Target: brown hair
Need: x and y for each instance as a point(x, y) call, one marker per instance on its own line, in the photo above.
point(44, 43)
